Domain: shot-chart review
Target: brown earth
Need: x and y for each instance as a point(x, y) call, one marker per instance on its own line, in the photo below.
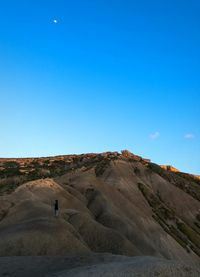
point(95, 265)
point(109, 203)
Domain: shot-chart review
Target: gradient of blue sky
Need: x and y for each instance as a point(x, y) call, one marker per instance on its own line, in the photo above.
point(109, 75)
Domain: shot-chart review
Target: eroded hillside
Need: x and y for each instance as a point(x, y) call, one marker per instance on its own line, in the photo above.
point(109, 202)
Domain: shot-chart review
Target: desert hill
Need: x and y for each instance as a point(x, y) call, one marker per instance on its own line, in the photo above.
point(111, 202)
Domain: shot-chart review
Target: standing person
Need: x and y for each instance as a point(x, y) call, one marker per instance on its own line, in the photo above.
point(56, 209)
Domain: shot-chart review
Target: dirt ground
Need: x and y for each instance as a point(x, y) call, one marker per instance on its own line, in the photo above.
point(93, 265)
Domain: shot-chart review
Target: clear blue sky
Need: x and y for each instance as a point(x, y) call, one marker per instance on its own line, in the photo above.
point(109, 75)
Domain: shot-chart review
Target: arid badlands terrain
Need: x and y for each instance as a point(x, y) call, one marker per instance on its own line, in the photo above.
point(120, 215)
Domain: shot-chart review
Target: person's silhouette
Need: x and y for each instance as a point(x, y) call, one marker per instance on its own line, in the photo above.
point(56, 209)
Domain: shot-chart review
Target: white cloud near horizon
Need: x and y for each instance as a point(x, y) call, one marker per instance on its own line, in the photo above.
point(189, 136)
point(154, 135)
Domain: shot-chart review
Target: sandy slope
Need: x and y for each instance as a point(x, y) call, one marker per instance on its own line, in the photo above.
point(102, 212)
point(93, 265)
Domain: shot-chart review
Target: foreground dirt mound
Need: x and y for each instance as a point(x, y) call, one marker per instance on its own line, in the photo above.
point(139, 266)
point(109, 202)
point(94, 265)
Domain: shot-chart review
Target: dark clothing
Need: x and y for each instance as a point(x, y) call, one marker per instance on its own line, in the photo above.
point(56, 205)
point(56, 208)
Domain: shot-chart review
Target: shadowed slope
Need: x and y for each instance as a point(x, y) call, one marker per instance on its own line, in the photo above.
point(109, 203)
point(93, 265)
